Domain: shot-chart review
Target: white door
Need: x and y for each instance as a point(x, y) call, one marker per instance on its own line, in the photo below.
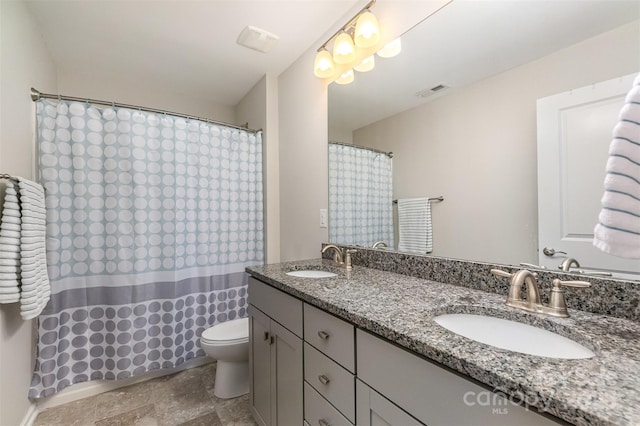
point(574, 133)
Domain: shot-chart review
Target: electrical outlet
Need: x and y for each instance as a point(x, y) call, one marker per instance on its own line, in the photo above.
point(324, 221)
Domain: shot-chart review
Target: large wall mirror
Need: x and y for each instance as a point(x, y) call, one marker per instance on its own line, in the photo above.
point(458, 109)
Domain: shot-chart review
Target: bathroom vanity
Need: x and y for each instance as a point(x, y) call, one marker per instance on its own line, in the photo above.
point(362, 348)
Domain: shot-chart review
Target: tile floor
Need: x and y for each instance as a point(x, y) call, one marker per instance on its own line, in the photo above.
point(185, 398)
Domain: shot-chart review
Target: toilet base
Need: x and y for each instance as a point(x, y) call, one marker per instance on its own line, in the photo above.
point(232, 379)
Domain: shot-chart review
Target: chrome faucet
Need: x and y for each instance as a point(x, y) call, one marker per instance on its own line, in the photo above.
point(568, 263)
point(518, 279)
point(340, 257)
point(379, 244)
point(557, 306)
point(337, 253)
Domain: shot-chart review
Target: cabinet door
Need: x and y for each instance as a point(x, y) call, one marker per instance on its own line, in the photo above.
point(287, 376)
point(260, 366)
point(375, 410)
point(431, 393)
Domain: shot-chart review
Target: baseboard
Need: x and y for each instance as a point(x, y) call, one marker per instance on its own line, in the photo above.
point(30, 415)
point(96, 387)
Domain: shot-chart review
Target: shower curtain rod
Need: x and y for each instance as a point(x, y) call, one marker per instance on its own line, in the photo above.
point(390, 154)
point(36, 94)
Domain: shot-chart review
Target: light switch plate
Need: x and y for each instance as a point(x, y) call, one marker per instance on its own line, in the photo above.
point(324, 220)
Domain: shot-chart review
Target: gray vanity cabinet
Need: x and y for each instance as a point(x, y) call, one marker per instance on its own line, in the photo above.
point(376, 410)
point(351, 376)
point(275, 356)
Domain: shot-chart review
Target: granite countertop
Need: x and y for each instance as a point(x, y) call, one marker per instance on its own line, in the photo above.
point(603, 390)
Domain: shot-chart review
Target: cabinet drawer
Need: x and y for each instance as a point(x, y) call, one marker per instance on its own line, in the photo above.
point(285, 309)
point(332, 381)
point(431, 393)
point(318, 412)
point(330, 335)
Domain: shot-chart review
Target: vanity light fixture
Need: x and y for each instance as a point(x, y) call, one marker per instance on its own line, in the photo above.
point(361, 32)
point(346, 77)
point(367, 32)
point(324, 67)
point(367, 64)
point(344, 51)
point(391, 49)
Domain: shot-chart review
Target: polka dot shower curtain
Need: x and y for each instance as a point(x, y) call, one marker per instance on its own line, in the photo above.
point(360, 196)
point(151, 221)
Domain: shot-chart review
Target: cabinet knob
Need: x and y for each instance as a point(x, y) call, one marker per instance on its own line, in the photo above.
point(266, 335)
point(323, 335)
point(323, 379)
point(323, 422)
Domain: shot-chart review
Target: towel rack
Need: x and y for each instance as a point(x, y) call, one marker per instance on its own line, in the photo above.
point(440, 198)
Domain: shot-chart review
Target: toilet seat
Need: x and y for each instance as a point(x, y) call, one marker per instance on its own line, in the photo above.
point(229, 332)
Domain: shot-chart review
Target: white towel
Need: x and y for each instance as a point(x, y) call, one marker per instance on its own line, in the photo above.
point(414, 225)
point(36, 290)
point(10, 245)
point(618, 229)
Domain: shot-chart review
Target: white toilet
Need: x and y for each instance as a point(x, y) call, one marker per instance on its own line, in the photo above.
point(228, 342)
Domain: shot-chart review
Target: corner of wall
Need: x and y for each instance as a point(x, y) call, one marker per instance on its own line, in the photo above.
point(259, 108)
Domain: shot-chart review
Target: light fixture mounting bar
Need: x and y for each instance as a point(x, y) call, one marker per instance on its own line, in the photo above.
point(348, 24)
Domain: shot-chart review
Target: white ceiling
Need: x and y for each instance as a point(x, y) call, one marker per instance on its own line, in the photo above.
point(186, 47)
point(467, 41)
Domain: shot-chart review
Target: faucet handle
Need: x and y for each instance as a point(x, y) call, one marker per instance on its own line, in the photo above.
point(580, 284)
point(557, 305)
point(347, 257)
point(501, 273)
point(531, 265)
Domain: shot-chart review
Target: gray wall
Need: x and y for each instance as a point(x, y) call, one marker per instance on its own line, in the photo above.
point(24, 63)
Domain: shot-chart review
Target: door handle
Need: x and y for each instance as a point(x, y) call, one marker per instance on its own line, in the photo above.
point(550, 252)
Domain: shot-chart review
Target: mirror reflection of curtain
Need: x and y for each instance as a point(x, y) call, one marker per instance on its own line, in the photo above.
point(360, 196)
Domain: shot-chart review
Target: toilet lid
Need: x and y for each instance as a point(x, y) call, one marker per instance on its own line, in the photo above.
point(228, 330)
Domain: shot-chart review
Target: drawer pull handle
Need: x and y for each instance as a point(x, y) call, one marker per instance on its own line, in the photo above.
point(323, 379)
point(323, 422)
point(323, 335)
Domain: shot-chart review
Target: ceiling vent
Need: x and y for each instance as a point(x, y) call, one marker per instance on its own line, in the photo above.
point(257, 39)
point(428, 92)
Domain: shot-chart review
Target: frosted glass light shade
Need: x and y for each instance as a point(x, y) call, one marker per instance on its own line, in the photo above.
point(345, 78)
point(344, 51)
point(367, 64)
point(323, 66)
point(391, 49)
point(367, 32)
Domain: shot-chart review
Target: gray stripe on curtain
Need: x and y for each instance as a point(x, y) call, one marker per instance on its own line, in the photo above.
point(141, 292)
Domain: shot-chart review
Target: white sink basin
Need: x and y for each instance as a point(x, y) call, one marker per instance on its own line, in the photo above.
point(513, 336)
point(311, 274)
